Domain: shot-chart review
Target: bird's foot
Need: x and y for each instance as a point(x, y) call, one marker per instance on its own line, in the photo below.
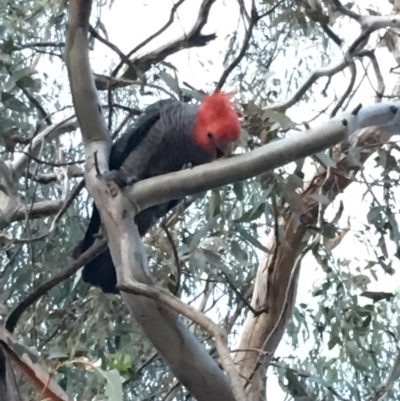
point(187, 165)
point(120, 179)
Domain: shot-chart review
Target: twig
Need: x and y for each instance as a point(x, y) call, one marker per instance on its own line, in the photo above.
point(344, 10)
point(380, 90)
point(329, 71)
point(19, 212)
point(154, 35)
point(124, 59)
point(176, 257)
point(255, 17)
point(332, 35)
point(5, 172)
point(232, 319)
point(190, 39)
point(243, 298)
point(253, 21)
point(94, 251)
point(48, 178)
point(353, 72)
point(384, 390)
point(40, 44)
point(243, 11)
point(52, 164)
point(46, 117)
point(20, 163)
point(123, 123)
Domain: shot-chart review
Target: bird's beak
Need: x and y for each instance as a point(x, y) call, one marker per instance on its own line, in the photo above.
point(225, 149)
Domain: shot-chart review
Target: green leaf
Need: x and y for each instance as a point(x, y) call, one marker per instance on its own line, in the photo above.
point(192, 93)
point(18, 75)
point(11, 102)
point(114, 385)
point(30, 83)
point(5, 59)
point(360, 331)
point(394, 229)
point(320, 198)
point(238, 252)
point(198, 261)
point(249, 238)
point(353, 157)
point(7, 47)
point(294, 182)
point(238, 190)
point(215, 203)
point(215, 260)
point(338, 214)
point(376, 296)
point(58, 354)
point(375, 215)
point(367, 321)
point(253, 214)
point(276, 117)
point(334, 341)
point(326, 159)
point(171, 82)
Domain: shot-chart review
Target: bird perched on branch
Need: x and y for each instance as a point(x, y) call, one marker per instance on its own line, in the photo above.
point(168, 136)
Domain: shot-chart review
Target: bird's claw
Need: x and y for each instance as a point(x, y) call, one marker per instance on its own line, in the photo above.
point(120, 179)
point(187, 165)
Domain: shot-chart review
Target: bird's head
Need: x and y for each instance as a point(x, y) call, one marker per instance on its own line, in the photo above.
point(217, 128)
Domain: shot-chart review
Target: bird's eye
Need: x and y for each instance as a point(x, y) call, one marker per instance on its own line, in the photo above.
point(210, 135)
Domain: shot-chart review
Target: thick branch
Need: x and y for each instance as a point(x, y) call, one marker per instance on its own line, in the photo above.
point(196, 316)
point(8, 384)
point(160, 189)
point(36, 211)
point(48, 178)
point(32, 369)
point(186, 357)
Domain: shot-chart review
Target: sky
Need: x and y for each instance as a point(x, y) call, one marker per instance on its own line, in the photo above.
point(130, 22)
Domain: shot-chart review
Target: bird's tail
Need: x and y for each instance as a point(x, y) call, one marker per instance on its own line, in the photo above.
point(100, 272)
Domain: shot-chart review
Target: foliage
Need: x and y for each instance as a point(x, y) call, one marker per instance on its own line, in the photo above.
point(87, 337)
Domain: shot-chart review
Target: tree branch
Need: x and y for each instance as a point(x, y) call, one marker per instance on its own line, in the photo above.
point(177, 185)
point(48, 178)
point(94, 251)
point(31, 368)
point(253, 21)
point(369, 24)
point(37, 211)
point(194, 38)
point(219, 334)
point(20, 163)
point(186, 357)
point(386, 389)
point(274, 274)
